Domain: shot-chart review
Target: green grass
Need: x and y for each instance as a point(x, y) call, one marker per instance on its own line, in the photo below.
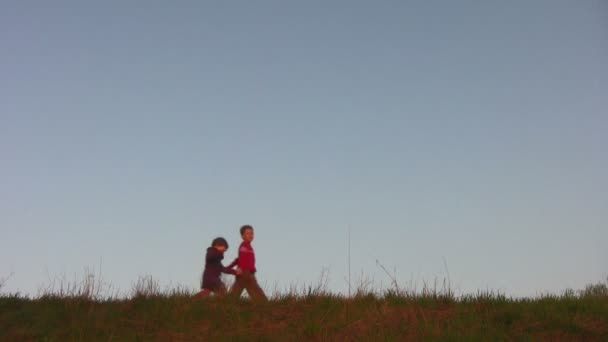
point(313, 315)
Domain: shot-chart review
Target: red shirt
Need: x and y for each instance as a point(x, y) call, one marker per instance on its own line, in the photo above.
point(246, 259)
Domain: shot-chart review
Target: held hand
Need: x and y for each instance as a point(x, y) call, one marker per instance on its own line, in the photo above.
point(238, 271)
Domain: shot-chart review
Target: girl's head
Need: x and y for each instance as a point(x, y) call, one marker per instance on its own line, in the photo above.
point(220, 244)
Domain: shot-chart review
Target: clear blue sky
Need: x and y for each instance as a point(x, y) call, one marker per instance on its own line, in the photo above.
point(132, 133)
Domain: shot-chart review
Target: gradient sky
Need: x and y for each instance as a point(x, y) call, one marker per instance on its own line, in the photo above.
point(133, 133)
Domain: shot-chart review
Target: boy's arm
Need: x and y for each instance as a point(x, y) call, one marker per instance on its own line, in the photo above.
point(234, 263)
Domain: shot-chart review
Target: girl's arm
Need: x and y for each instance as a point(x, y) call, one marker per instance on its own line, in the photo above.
point(228, 269)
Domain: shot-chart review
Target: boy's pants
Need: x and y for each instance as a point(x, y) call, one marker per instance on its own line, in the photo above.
point(247, 281)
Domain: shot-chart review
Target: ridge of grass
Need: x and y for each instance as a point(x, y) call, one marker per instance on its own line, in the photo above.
point(312, 314)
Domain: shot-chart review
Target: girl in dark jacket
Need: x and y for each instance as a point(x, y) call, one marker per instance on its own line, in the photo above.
point(211, 281)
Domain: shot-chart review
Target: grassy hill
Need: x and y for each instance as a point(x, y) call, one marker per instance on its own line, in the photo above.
point(311, 315)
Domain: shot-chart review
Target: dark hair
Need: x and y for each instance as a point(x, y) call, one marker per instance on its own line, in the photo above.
point(220, 241)
point(245, 227)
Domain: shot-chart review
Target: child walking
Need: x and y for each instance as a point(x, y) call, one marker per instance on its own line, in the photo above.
point(245, 278)
point(211, 281)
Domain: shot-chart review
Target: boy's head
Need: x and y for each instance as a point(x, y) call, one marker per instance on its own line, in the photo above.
point(220, 244)
point(247, 233)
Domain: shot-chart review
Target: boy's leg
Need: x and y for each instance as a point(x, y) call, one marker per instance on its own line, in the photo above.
point(254, 290)
point(239, 285)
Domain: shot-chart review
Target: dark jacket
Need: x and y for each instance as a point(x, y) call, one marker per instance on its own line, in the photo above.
point(213, 269)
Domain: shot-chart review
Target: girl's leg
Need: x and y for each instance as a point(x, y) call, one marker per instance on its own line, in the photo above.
point(203, 293)
point(221, 290)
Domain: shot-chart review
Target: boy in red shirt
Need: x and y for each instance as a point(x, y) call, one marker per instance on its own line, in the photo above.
point(245, 279)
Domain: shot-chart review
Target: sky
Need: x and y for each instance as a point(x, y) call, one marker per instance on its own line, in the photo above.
point(462, 140)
